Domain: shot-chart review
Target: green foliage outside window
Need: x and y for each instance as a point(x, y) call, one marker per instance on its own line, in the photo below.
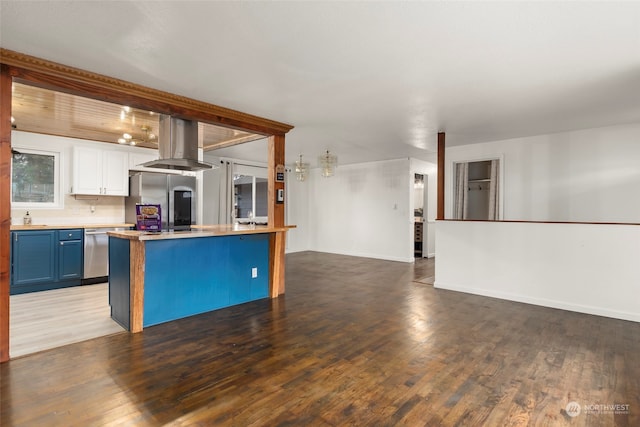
point(33, 178)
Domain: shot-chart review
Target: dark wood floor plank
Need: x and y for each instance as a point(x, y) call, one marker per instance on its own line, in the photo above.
point(354, 341)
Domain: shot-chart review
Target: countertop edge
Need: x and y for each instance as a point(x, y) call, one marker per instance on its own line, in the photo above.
point(67, 226)
point(201, 231)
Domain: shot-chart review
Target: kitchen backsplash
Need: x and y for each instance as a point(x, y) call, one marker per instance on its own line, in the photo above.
point(99, 210)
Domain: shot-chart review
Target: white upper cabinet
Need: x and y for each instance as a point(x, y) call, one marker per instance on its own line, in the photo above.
point(115, 173)
point(139, 157)
point(100, 172)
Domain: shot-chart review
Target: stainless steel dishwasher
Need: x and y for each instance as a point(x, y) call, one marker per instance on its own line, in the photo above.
point(96, 255)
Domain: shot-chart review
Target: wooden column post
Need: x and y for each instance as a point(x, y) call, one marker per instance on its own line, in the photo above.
point(276, 217)
point(5, 208)
point(276, 157)
point(441, 148)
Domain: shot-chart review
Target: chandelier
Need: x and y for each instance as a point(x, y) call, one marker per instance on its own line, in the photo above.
point(146, 137)
point(301, 169)
point(327, 163)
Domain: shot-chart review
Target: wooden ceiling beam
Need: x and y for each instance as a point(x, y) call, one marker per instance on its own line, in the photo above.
point(51, 75)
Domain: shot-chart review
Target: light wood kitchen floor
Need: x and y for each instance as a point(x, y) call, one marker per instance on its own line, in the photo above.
point(49, 319)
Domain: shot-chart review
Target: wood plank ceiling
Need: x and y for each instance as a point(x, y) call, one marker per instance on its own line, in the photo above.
point(38, 110)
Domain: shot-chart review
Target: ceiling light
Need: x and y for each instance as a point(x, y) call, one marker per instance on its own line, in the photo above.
point(301, 169)
point(328, 163)
point(147, 137)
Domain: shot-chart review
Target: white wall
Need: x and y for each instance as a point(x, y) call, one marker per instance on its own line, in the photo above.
point(297, 197)
point(210, 192)
point(588, 268)
point(108, 209)
point(588, 175)
point(363, 210)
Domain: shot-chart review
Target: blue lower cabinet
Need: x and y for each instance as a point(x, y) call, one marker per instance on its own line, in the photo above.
point(33, 258)
point(46, 259)
point(184, 277)
point(70, 261)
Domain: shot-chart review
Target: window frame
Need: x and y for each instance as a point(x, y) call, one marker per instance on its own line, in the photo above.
point(57, 180)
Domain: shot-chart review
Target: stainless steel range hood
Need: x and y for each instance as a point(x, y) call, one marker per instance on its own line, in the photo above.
point(177, 145)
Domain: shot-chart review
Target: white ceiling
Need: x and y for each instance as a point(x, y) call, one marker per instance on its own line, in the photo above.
point(366, 80)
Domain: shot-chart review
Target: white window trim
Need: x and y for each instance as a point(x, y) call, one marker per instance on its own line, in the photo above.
point(57, 181)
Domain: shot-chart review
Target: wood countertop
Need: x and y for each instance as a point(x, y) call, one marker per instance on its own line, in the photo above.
point(199, 231)
point(66, 226)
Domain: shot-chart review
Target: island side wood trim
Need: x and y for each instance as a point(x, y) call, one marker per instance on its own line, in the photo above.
point(5, 208)
point(277, 263)
point(136, 285)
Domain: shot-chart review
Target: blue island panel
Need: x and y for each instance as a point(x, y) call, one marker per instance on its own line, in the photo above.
point(184, 277)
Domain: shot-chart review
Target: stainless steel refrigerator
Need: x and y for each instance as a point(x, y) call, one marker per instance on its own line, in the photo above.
point(176, 195)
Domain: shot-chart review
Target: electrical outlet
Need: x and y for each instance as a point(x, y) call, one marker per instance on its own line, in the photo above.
point(254, 272)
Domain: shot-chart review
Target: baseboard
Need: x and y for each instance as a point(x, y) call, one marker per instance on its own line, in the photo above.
point(94, 280)
point(562, 305)
point(367, 255)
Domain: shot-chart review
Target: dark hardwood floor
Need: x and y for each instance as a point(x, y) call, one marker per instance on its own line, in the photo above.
point(353, 341)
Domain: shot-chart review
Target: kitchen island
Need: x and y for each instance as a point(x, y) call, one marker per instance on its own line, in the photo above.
point(159, 277)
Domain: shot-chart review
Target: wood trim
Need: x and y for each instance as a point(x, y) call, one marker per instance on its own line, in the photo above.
point(277, 263)
point(52, 75)
point(276, 157)
point(136, 285)
point(441, 150)
point(541, 222)
point(5, 208)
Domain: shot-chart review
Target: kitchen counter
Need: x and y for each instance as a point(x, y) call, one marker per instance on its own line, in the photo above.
point(199, 231)
point(159, 277)
point(65, 226)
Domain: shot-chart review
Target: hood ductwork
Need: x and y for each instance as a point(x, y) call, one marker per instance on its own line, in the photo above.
point(178, 145)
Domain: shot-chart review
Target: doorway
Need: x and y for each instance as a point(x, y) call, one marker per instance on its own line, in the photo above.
point(420, 223)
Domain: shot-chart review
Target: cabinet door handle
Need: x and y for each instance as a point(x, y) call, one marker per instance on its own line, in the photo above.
point(61, 243)
point(16, 237)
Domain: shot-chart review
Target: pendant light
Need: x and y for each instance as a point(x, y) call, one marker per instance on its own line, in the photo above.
point(327, 163)
point(301, 169)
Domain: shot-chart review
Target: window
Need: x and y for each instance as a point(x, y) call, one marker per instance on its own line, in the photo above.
point(250, 196)
point(35, 178)
point(250, 188)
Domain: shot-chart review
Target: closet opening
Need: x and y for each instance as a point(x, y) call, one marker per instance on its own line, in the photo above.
point(477, 190)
